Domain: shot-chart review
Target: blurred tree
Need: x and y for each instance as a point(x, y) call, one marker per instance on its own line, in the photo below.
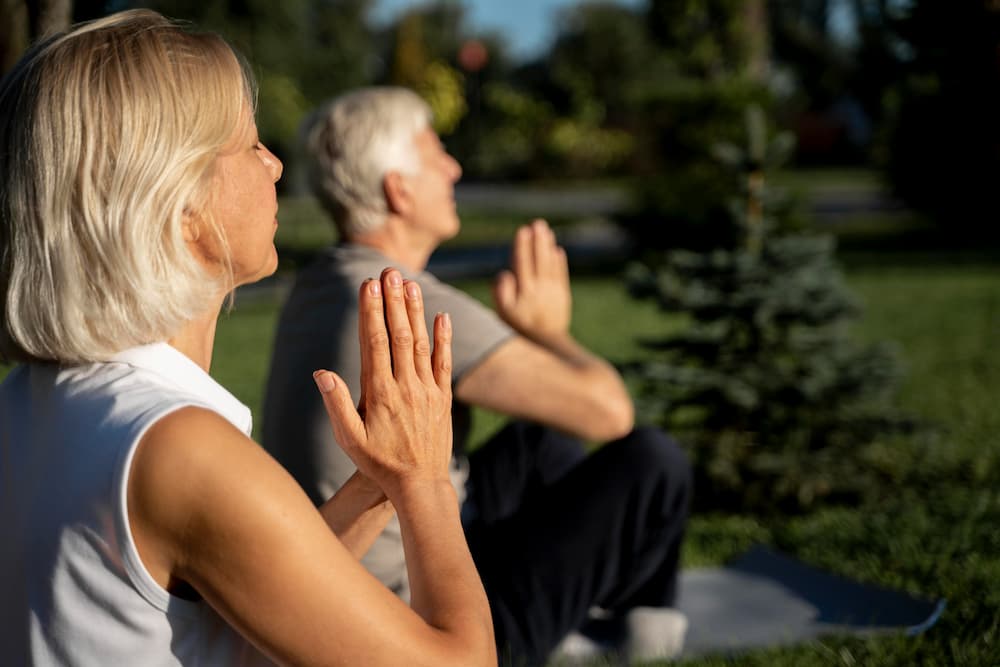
point(572, 112)
point(339, 50)
point(840, 75)
point(711, 61)
point(511, 127)
point(27, 20)
point(302, 51)
point(777, 404)
point(409, 56)
point(710, 38)
point(482, 141)
point(45, 16)
point(14, 34)
point(601, 51)
point(942, 149)
point(425, 46)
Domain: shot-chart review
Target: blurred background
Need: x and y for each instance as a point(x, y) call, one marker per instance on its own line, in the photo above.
point(904, 90)
point(782, 222)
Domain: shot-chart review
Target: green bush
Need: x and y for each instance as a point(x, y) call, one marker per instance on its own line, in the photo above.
point(779, 406)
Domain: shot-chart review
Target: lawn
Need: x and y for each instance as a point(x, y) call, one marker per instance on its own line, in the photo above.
point(933, 533)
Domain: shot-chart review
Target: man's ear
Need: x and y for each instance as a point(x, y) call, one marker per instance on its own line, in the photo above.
point(398, 196)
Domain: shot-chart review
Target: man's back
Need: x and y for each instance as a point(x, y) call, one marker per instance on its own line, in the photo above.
point(318, 329)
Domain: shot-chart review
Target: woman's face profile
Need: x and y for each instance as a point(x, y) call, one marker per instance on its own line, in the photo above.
point(243, 202)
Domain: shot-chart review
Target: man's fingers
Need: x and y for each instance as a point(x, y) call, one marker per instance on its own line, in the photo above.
point(345, 421)
point(398, 322)
point(543, 246)
point(421, 342)
point(505, 290)
point(560, 263)
point(522, 260)
point(441, 359)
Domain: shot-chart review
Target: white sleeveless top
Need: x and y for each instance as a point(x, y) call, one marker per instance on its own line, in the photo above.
point(73, 590)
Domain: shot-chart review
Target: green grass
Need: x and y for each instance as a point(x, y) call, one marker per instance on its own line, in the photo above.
point(808, 180)
point(242, 352)
point(934, 534)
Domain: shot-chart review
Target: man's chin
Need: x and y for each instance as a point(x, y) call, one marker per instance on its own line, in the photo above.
point(453, 231)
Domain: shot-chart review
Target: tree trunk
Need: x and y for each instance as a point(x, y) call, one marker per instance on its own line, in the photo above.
point(13, 32)
point(758, 40)
point(48, 16)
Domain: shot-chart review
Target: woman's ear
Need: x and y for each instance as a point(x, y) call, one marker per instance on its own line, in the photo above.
point(190, 229)
point(398, 197)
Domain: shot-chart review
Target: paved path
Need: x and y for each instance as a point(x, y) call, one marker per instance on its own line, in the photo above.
point(828, 204)
point(595, 240)
point(587, 244)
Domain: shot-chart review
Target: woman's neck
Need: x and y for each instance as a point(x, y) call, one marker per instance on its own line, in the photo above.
point(197, 339)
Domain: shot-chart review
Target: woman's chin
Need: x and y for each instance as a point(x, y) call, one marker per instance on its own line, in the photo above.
point(265, 271)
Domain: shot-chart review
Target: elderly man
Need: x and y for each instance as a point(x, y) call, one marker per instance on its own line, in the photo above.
point(557, 535)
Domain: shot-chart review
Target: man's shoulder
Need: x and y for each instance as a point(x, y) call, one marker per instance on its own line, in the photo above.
point(444, 296)
point(333, 276)
point(345, 261)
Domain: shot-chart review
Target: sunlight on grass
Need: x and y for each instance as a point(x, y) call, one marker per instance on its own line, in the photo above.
point(933, 534)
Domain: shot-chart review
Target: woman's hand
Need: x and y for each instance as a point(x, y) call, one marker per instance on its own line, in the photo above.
point(193, 511)
point(401, 429)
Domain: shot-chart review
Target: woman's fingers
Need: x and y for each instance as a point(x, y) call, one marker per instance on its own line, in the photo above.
point(376, 363)
point(418, 327)
point(348, 428)
point(398, 322)
point(441, 360)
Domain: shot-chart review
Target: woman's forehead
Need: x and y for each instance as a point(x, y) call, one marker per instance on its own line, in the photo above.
point(244, 131)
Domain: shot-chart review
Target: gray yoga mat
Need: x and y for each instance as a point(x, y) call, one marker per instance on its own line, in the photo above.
point(766, 598)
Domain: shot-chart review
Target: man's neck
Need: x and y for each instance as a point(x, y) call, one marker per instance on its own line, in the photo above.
point(406, 248)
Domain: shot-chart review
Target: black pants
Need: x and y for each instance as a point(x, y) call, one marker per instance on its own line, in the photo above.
point(555, 531)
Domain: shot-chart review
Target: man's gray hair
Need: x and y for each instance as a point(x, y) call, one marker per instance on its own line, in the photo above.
point(352, 142)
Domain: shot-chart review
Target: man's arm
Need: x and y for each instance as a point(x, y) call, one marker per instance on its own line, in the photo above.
point(544, 374)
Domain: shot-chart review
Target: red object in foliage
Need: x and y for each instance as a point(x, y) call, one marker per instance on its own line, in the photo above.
point(473, 56)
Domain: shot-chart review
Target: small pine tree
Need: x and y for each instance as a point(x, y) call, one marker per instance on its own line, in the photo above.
point(764, 384)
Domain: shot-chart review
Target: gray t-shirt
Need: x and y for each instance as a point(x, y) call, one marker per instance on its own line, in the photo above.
point(318, 328)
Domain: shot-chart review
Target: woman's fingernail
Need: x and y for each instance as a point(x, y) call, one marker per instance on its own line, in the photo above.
point(374, 288)
point(324, 381)
point(412, 290)
point(395, 279)
point(447, 322)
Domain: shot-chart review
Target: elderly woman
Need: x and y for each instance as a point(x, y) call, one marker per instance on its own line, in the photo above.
point(141, 523)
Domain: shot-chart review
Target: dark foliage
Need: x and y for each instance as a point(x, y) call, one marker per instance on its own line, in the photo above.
point(780, 407)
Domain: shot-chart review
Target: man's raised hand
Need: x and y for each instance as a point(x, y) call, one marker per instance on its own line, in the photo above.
point(534, 295)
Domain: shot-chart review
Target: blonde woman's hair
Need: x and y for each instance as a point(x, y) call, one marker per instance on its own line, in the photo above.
point(352, 142)
point(108, 137)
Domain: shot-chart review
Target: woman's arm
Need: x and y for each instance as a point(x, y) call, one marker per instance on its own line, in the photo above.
point(211, 509)
point(357, 513)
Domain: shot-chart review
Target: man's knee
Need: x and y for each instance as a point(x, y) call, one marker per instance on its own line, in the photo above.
point(649, 449)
